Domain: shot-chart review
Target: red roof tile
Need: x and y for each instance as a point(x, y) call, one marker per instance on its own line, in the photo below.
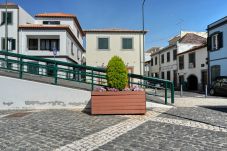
point(115, 30)
point(192, 38)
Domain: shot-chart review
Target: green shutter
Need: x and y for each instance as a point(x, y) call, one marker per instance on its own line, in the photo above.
point(103, 43)
point(3, 44)
point(127, 43)
point(9, 17)
point(220, 40)
point(13, 44)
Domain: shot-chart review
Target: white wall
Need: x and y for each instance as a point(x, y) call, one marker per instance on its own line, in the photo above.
point(12, 28)
point(77, 52)
point(63, 21)
point(155, 68)
point(168, 66)
point(25, 17)
point(201, 55)
point(18, 94)
point(23, 34)
point(182, 47)
point(131, 58)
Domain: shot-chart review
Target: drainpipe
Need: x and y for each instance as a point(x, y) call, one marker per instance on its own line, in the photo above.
point(143, 33)
point(6, 27)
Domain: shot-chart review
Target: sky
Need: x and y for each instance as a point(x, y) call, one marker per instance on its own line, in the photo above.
point(163, 18)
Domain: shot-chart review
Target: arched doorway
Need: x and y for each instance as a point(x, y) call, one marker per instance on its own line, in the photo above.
point(192, 82)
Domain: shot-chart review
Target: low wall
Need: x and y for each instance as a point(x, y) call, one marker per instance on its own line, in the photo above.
point(24, 94)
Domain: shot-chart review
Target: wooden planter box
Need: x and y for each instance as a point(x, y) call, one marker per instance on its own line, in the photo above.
point(123, 102)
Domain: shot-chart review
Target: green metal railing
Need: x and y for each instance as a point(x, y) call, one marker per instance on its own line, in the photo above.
point(59, 70)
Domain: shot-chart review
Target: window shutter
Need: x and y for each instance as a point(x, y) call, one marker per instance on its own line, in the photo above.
point(208, 43)
point(220, 40)
point(3, 44)
point(13, 44)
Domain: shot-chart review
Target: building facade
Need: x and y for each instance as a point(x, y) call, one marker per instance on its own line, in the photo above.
point(217, 49)
point(41, 36)
point(15, 17)
point(102, 44)
point(151, 62)
point(165, 61)
point(192, 68)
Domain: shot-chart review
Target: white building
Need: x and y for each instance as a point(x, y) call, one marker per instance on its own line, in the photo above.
point(151, 64)
point(41, 35)
point(165, 60)
point(192, 67)
point(217, 49)
point(16, 16)
point(102, 44)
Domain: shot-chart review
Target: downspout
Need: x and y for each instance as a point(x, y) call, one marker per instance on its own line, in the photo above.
point(208, 61)
point(18, 11)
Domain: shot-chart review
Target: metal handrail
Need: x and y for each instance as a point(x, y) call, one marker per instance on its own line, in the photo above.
point(93, 76)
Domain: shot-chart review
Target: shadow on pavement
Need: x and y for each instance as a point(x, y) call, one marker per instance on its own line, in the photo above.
point(217, 108)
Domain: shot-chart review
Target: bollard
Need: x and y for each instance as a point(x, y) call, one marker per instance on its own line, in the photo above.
point(206, 91)
point(181, 90)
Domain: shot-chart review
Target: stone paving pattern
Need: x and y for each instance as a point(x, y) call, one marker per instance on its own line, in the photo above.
point(178, 128)
point(160, 136)
point(50, 129)
point(200, 114)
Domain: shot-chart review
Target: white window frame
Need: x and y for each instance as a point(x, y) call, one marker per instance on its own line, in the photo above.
point(214, 42)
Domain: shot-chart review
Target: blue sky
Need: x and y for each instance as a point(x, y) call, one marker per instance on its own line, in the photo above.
point(163, 18)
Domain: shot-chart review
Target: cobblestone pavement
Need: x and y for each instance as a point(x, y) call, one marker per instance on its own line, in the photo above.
point(199, 114)
point(50, 129)
point(178, 128)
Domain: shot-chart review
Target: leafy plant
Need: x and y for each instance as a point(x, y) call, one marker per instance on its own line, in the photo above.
point(117, 74)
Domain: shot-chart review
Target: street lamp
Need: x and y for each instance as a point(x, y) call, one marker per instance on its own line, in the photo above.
point(143, 33)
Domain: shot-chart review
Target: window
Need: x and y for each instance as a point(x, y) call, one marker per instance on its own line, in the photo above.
point(191, 58)
point(163, 75)
point(9, 18)
point(168, 75)
point(162, 58)
point(127, 43)
point(156, 75)
point(156, 60)
point(152, 62)
point(174, 54)
point(72, 49)
point(11, 44)
point(78, 34)
point(168, 56)
point(181, 62)
point(175, 77)
point(33, 44)
point(51, 22)
point(215, 71)
point(215, 41)
point(49, 44)
point(103, 43)
point(78, 54)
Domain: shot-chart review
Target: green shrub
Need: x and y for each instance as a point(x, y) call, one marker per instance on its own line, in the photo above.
point(117, 74)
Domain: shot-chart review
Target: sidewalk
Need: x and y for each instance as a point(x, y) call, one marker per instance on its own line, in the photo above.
point(190, 99)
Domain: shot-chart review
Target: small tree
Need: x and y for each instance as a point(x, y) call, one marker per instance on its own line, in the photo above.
point(117, 74)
